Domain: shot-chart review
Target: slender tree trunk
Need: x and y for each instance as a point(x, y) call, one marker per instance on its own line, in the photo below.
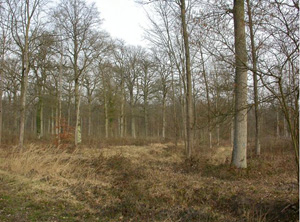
point(164, 117)
point(59, 122)
point(277, 124)
point(254, 60)
point(189, 105)
point(122, 120)
point(133, 125)
point(207, 98)
point(39, 118)
point(285, 128)
point(146, 120)
point(24, 83)
point(77, 110)
point(183, 112)
point(133, 134)
point(217, 108)
point(232, 132)
point(69, 111)
point(52, 121)
point(1, 83)
point(106, 114)
point(1, 92)
point(239, 154)
point(146, 113)
point(174, 111)
point(56, 121)
point(89, 114)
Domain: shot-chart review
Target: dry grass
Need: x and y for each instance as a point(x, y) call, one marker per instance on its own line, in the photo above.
point(154, 183)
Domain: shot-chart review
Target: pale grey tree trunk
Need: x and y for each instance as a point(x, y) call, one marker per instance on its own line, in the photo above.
point(24, 84)
point(239, 154)
point(77, 120)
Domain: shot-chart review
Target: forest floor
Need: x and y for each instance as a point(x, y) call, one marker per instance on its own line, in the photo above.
point(144, 183)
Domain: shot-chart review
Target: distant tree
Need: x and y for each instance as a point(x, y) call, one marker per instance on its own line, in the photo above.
point(4, 46)
point(77, 20)
point(24, 29)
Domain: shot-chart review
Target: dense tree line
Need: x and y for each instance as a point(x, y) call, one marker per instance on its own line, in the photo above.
point(209, 68)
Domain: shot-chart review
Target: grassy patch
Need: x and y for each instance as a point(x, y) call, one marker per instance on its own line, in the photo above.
point(143, 183)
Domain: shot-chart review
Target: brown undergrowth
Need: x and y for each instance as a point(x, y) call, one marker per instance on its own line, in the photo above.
point(147, 183)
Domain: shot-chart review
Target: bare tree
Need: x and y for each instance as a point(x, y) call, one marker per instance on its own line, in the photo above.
point(23, 28)
point(77, 19)
point(4, 45)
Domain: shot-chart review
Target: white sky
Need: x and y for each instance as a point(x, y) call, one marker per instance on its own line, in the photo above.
point(123, 19)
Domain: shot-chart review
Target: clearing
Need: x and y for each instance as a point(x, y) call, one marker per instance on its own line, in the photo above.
point(144, 183)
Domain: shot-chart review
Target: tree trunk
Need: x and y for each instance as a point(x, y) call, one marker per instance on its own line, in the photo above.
point(239, 154)
point(207, 98)
point(1, 84)
point(24, 84)
point(285, 128)
point(89, 114)
point(254, 61)
point(52, 121)
point(39, 118)
point(122, 119)
point(77, 110)
point(189, 105)
point(133, 134)
point(174, 111)
point(59, 122)
point(164, 117)
point(277, 124)
point(183, 112)
point(106, 114)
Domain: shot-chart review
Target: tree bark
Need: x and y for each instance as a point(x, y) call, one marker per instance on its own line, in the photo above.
point(77, 110)
point(254, 71)
point(189, 105)
point(39, 118)
point(133, 133)
point(122, 119)
point(59, 95)
point(239, 154)
point(164, 117)
point(207, 98)
point(174, 111)
point(277, 123)
point(89, 114)
point(106, 114)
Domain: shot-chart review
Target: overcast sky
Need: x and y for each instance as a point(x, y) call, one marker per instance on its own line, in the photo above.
point(123, 19)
